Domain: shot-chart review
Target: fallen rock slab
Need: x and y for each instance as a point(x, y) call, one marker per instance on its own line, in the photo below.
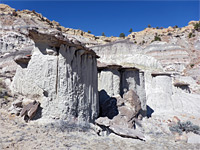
point(29, 110)
point(104, 121)
point(127, 132)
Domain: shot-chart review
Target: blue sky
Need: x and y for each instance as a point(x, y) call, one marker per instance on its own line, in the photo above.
point(113, 17)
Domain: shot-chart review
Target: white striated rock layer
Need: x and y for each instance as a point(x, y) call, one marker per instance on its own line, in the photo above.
point(63, 76)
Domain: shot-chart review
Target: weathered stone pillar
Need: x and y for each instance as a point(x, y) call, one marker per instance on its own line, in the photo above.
point(63, 76)
point(133, 79)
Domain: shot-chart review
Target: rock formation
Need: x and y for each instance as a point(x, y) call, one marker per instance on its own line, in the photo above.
point(57, 66)
point(64, 73)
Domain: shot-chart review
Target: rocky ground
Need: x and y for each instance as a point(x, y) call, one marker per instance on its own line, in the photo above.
point(176, 53)
point(16, 134)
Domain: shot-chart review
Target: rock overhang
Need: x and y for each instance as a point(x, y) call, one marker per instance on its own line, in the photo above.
point(56, 39)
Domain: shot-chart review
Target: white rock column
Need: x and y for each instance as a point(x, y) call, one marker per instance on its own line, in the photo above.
point(109, 80)
point(64, 81)
point(133, 79)
point(159, 93)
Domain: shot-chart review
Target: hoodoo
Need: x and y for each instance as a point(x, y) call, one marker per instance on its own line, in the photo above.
point(63, 74)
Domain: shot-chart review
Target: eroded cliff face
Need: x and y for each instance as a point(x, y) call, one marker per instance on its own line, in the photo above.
point(63, 76)
point(163, 63)
point(176, 55)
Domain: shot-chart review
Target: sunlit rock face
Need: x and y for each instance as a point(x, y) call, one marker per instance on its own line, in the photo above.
point(64, 74)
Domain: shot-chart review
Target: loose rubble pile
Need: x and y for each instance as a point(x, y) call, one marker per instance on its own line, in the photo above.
point(119, 115)
point(27, 110)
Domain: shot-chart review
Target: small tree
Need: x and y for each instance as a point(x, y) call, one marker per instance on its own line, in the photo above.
point(122, 35)
point(197, 26)
point(190, 35)
point(175, 26)
point(103, 34)
point(131, 30)
point(149, 26)
point(89, 31)
point(157, 38)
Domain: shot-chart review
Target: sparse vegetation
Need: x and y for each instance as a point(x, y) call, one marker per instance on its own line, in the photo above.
point(122, 35)
point(131, 30)
point(103, 34)
point(89, 31)
point(149, 26)
point(197, 26)
point(191, 35)
point(191, 65)
point(187, 126)
point(175, 26)
point(156, 38)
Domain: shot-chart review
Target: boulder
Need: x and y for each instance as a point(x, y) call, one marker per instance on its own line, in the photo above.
point(16, 107)
point(29, 110)
point(131, 100)
point(103, 121)
point(121, 111)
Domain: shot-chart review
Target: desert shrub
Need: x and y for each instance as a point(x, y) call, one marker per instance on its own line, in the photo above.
point(89, 31)
point(131, 30)
point(122, 35)
point(103, 34)
point(187, 126)
point(149, 26)
point(191, 65)
point(156, 38)
point(175, 26)
point(191, 35)
point(197, 26)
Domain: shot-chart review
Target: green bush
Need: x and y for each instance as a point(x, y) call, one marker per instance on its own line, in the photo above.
point(103, 34)
point(122, 35)
point(191, 35)
point(175, 26)
point(149, 26)
point(197, 26)
point(89, 31)
point(191, 65)
point(157, 38)
point(131, 30)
